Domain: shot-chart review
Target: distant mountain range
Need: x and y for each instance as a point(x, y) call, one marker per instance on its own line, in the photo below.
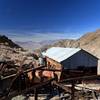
point(35, 45)
point(89, 42)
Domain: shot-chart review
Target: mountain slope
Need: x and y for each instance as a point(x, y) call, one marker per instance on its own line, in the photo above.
point(9, 51)
point(32, 45)
point(89, 42)
point(5, 41)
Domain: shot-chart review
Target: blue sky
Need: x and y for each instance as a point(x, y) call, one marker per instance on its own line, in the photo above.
point(34, 20)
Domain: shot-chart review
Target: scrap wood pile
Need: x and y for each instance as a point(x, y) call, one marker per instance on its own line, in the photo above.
point(11, 74)
point(7, 69)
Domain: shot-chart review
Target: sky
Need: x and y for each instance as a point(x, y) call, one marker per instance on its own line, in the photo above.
point(37, 20)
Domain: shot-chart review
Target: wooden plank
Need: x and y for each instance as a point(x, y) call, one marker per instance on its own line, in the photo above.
point(32, 69)
point(81, 78)
point(73, 90)
point(47, 69)
point(35, 94)
point(67, 89)
point(94, 96)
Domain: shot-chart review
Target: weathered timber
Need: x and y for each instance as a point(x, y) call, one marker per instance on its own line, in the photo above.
point(73, 90)
point(14, 93)
point(32, 69)
point(94, 95)
point(67, 89)
point(47, 69)
point(35, 94)
point(81, 78)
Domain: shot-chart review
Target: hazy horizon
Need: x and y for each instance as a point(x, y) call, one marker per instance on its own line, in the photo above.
point(38, 37)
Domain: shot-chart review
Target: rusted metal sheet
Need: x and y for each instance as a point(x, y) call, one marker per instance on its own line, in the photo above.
point(98, 69)
point(53, 64)
point(48, 74)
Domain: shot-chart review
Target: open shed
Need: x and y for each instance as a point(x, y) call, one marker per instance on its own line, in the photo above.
point(70, 59)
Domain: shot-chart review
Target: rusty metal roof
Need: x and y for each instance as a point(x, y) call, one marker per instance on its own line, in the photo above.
point(59, 53)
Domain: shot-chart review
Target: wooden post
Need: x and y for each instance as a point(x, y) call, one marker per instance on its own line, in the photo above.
point(73, 90)
point(35, 94)
point(33, 74)
point(58, 90)
point(94, 95)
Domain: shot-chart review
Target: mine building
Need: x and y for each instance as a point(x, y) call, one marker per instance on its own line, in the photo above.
point(67, 60)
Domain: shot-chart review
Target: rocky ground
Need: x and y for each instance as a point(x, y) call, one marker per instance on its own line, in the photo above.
point(13, 54)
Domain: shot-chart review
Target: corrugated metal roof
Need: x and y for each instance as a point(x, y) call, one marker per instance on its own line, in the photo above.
point(59, 53)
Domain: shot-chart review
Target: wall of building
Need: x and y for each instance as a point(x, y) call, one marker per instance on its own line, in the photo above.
point(54, 65)
point(81, 58)
point(98, 69)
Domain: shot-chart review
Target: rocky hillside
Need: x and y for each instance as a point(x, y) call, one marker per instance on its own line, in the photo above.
point(7, 42)
point(89, 42)
point(9, 51)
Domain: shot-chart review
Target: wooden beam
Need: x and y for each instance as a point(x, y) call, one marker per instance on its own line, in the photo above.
point(35, 94)
point(94, 95)
point(32, 69)
point(47, 69)
point(73, 90)
point(80, 78)
point(67, 89)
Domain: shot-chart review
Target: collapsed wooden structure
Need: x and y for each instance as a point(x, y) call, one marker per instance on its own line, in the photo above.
point(11, 78)
point(24, 77)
